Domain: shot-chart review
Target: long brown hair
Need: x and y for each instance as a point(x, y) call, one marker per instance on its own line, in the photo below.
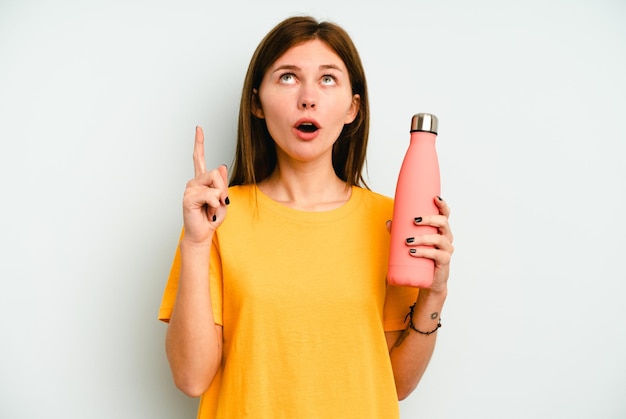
point(255, 155)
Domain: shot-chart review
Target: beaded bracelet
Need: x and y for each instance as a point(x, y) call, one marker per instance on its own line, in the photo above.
point(412, 326)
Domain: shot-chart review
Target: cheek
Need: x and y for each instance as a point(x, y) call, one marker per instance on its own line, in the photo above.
point(273, 121)
point(272, 106)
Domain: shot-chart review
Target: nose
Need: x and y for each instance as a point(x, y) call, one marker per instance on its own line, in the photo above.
point(307, 98)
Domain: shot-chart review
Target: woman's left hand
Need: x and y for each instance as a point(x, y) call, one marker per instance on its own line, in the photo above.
point(442, 248)
point(440, 244)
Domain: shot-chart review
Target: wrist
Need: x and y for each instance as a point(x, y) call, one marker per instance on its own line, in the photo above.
point(195, 246)
point(419, 324)
point(425, 314)
point(436, 296)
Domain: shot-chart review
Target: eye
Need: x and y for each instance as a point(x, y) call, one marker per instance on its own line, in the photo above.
point(328, 80)
point(287, 78)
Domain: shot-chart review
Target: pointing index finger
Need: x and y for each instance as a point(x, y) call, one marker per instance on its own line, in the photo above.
point(199, 164)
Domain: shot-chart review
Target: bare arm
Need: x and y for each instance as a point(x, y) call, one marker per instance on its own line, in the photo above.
point(193, 341)
point(409, 350)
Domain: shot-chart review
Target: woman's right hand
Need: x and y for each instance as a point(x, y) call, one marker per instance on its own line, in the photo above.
point(205, 198)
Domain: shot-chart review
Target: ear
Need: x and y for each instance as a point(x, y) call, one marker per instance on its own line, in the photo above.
point(257, 110)
point(354, 109)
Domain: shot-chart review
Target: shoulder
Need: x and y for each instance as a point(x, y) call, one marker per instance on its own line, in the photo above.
point(242, 200)
point(243, 195)
point(372, 196)
point(242, 191)
point(373, 201)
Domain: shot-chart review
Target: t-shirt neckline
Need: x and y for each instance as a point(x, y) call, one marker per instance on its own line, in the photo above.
point(265, 202)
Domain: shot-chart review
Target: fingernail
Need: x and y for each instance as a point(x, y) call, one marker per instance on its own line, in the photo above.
point(418, 219)
point(410, 240)
point(214, 217)
point(439, 198)
point(413, 251)
point(227, 201)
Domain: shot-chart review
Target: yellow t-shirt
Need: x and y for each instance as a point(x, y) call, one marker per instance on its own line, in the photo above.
point(304, 304)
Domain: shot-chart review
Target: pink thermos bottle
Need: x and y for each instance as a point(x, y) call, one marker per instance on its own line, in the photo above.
point(418, 185)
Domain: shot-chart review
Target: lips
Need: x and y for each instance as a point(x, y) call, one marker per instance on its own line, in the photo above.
point(306, 129)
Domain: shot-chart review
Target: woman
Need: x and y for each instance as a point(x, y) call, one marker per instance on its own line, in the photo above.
point(277, 300)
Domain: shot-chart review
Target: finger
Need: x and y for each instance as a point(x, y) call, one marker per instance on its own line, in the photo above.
point(199, 165)
point(443, 206)
point(200, 196)
point(213, 179)
point(388, 225)
point(209, 182)
point(223, 170)
point(437, 241)
point(441, 257)
point(210, 198)
point(440, 222)
point(444, 210)
point(204, 199)
point(220, 182)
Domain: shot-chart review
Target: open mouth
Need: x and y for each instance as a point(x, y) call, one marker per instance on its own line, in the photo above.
point(307, 127)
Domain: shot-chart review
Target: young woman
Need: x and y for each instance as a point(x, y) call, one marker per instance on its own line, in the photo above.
point(277, 301)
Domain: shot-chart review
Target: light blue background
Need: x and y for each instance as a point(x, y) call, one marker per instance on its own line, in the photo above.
point(98, 103)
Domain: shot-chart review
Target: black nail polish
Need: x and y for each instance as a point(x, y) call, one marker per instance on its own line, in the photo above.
point(410, 240)
point(413, 251)
point(439, 198)
point(227, 201)
point(418, 219)
point(214, 217)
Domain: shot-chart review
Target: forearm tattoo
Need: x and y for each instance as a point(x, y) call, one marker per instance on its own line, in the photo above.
point(401, 338)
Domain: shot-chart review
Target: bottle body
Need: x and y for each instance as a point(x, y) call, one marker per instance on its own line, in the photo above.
point(418, 186)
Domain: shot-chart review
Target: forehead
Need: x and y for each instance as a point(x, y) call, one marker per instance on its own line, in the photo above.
point(314, 52)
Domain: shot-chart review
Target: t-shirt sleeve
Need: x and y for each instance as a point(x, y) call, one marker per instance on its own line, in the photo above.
point(398, 301)
point(216, 279)
point(171, 288)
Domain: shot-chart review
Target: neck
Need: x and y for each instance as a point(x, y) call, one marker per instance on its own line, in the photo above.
point(306, 188)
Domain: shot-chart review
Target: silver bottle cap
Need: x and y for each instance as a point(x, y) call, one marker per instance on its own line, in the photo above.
point(425, 122)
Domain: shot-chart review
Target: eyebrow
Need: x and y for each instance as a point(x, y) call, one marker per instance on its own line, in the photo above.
point(296, 68)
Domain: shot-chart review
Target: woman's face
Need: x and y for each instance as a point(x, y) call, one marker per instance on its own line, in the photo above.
point(306, 98)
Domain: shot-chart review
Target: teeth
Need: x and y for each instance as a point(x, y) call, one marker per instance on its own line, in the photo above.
point(307, 127)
